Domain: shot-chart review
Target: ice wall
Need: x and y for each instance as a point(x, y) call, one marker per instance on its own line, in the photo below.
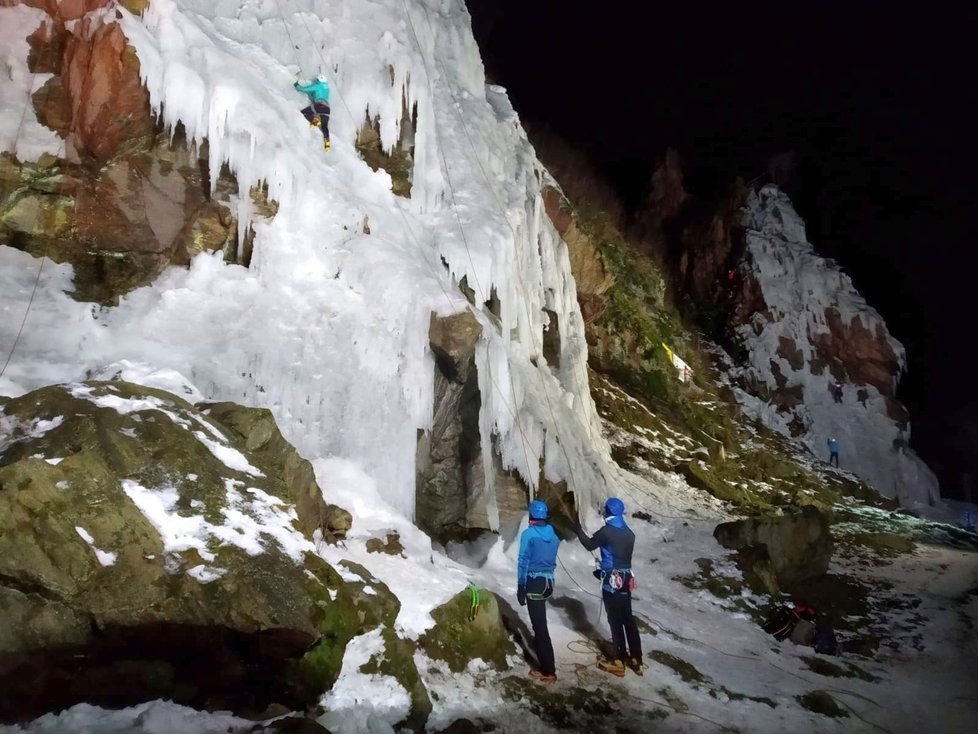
point(329, 326)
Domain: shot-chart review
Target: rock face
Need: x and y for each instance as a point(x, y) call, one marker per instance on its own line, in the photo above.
point(799, 325)
point(127, 201)
point(451, 498)
point(590, 275)
point(146, 552)
point(781, 551)
point(467, 627)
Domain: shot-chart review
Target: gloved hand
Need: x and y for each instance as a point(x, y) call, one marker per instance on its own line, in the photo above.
point(521, 595)
point(596, 573)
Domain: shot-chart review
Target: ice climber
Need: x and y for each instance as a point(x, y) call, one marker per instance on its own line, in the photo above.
point(616, 541)
point(834, 452)
point(317, 113)
point(535, 584)
point(837, 391)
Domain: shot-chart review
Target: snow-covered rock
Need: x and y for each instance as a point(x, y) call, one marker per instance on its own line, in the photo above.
point(802, 327)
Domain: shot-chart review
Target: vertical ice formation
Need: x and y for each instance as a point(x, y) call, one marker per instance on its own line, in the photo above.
point(814, 327)
point(329, 326)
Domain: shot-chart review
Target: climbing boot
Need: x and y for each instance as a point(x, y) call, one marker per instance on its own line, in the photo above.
point(326, 145)
point(615, 667)
point(543, 677)
point(315, 122)
point(637, 666)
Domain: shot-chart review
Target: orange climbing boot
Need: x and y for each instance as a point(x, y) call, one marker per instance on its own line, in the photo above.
point(543, 677)
point(615, 667)
point(637, 666)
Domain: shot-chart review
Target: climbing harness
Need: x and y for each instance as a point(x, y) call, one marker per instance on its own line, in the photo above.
point(548, 591)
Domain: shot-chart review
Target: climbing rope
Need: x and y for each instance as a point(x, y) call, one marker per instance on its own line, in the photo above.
point(23, 321)
point(40, 267)
point(476, 601)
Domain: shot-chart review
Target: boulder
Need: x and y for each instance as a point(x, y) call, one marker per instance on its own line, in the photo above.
point(797, 546)
point(465, 631)
point(146, 553)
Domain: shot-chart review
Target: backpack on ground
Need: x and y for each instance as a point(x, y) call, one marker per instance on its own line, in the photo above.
point(824, 641)
point(781, 623)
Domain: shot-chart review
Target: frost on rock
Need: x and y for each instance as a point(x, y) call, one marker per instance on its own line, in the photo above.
point(328, 327)
point(816, 328)
point(20, 132)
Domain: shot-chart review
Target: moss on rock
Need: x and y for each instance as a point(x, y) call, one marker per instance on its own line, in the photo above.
point(460, 636)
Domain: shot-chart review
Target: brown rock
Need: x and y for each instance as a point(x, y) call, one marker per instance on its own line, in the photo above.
point(108, 101)
point(453, 339)
point(590, 275)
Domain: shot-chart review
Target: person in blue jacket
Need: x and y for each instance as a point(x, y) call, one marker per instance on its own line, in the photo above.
point(535, 584)
point(616, 541)
point(833, 452)
point(318, 110)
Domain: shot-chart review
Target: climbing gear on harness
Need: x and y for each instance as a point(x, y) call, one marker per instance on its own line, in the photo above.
point(548, 591)
point(315, 122)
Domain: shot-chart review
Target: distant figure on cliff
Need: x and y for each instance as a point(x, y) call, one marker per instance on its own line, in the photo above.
point(834, 451)
point(317, 113)
point(535, 584)
point(837, 391)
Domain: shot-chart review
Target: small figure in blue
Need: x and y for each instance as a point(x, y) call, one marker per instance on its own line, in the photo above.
point(535, 584)
point(317, 113)
point(837, 391)
point(833, 452)
point(616, 541)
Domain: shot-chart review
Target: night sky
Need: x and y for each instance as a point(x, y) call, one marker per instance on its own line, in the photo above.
point(879, 105)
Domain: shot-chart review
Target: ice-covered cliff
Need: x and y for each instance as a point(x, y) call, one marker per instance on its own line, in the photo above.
point(329, 325)
point(803, 326)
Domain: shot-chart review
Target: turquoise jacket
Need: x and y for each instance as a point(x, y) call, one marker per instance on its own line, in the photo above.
point(538, 553)
point(317, 91)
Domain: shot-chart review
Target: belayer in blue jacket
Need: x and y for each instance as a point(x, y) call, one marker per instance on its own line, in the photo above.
point(535, 584)
point(616, 541)
point(318, 110)
point(833, 452)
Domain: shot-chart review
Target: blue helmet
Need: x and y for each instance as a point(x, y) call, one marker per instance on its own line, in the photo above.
point(538, 510)
point(613, 506)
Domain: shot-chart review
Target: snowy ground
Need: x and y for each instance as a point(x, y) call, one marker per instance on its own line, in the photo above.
point(746, 680)
point(328, 328)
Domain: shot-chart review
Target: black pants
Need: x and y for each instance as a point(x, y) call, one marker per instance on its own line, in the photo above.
point(320, 110)
point(623, 628)
point(538, 618)
point(834, 458)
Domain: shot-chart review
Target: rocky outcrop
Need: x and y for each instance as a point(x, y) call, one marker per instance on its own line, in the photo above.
point(590, 275)
point(779, 552)
point(452, 501)
point(146, 552)
point(467, 627)
point(793, 324)
point(805, 328)
point(128, 200)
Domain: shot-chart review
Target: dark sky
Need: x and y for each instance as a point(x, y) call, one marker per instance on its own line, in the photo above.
point(879, 104)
